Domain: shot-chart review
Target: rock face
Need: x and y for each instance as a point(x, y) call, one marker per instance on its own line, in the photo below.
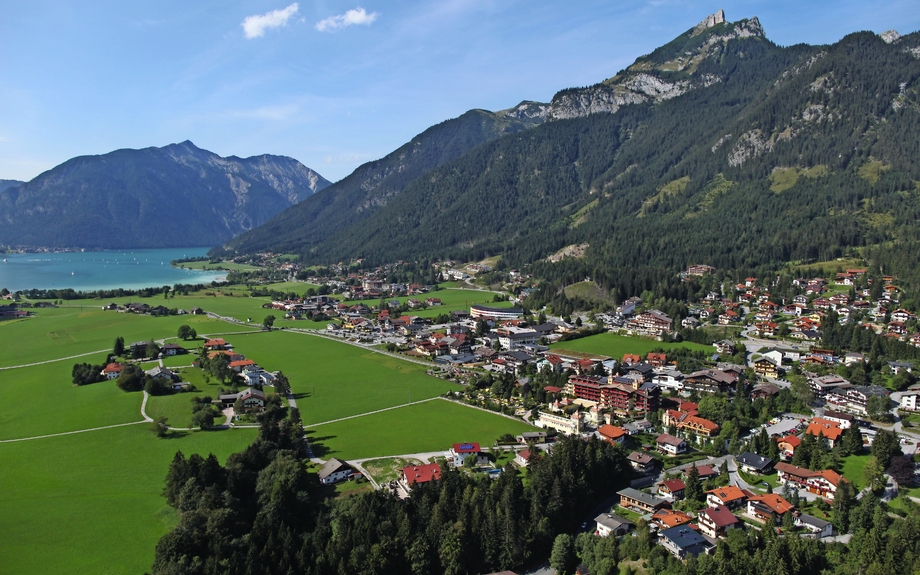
point(890, 37)
point(709, 22)
point(178, 195)
point(666, 73)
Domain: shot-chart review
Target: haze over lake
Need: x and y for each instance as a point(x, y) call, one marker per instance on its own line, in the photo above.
point(88, 271)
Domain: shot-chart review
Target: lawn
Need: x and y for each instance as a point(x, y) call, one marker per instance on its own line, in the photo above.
point(426, 427)
point(331, 379)
point(47, 402)
point(615, 345)
point(451, 299)
point(854, 469)
point(67, 331)
point(91, 502)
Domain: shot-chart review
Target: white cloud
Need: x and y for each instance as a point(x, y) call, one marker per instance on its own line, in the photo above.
point(255, 26)
point(355, 16)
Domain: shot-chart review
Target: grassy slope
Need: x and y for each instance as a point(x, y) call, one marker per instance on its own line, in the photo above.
point(431, 426)
point(614, 345)
point(91, 503)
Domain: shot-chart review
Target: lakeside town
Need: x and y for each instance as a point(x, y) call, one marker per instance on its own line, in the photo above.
point(763, 427)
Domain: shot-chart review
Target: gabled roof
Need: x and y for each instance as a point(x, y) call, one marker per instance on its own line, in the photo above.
point(774, 502)
point(467, 448)
point(671, 517)
point(673, 485)
point(612, 521)
point(640, 458)
point(824, 427)
point(612, 432)
point(749, 459)
point(791, 440)
point(332, 466)
point(720, 516)
point(669, 439)
point(728, 493)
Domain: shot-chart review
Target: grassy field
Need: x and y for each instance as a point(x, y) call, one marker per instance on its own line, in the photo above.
point(430, 426)
point(333, 380)
point(615, 345)
point(91, 502)
point(67, 331)
point(229, 266)
point(47, 402)
point(451, 299)
point(854, 469)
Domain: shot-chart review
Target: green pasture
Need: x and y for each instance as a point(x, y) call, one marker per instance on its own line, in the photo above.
point(228, 266)
point(91, 502)
point(178, 406)
point(430, 426)
point(332, 380)
point(297, 287)
point(615, 345)
point(47, 402)
point(67, 331)
point(451, 299)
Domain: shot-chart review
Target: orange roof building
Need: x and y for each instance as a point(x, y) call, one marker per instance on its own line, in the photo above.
point(667, 518)
point(826, 428)
point(729, 496)
point(613, 434)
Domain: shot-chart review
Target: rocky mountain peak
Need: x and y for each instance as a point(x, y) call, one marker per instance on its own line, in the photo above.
point(709, 22)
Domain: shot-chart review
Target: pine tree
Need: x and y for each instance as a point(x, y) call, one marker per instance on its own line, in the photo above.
point(694, 489)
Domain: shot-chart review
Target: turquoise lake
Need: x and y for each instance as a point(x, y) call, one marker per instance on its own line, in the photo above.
point(87, 271)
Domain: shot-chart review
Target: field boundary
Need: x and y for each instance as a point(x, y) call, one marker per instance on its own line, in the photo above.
point(54, 360)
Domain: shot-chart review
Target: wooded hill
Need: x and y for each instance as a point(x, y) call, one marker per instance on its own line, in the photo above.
point(175, 196)
point(745, 155)
point(369, 188)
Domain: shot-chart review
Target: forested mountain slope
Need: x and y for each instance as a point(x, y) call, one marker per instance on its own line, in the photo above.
point(178, 195)
point(746, 155)
point(370, 187)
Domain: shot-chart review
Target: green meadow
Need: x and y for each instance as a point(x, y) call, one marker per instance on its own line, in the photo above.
point(425, 427)
point(333, 380)
point(615, 345)
point(91, 502)
point(67, 331)
point(47, 402)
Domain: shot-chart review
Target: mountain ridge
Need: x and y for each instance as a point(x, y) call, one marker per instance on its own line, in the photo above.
point(173, 196)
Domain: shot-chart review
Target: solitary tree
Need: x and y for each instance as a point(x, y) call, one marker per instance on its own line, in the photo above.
point(184, 332)
point(269, 321)
point(159, 426)
point(119, 348)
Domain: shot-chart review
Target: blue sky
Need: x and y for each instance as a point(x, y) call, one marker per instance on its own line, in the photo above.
point(331, 83)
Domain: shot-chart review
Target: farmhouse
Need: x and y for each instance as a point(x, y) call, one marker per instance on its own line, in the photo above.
point(335, 470)
point(111, 371)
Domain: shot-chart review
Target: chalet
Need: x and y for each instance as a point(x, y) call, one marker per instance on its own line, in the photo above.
point(216, 344)
point(641, 462)
point(419, 475)
point(173, 349)
point(673, 488)
point(670, 445)
point(652, 322)
point(725, 347)
point(611, 524)
point(683, 542)
point(240, 364)
point(753, 463)
point(335, 470)
point(706, 472)
point(767, 367)
point(639, 501)
point(161, 373)
point(729, 496)
point(252, 399)
point(823, 483)
point(768, 508)
point(656, 359)
point(909, 401)
point(716, 521)
point(709, 381)
point(667, 518)
point(899, 366)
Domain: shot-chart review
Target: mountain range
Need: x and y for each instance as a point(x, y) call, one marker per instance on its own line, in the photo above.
point(719, 147)
point(175, 196)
